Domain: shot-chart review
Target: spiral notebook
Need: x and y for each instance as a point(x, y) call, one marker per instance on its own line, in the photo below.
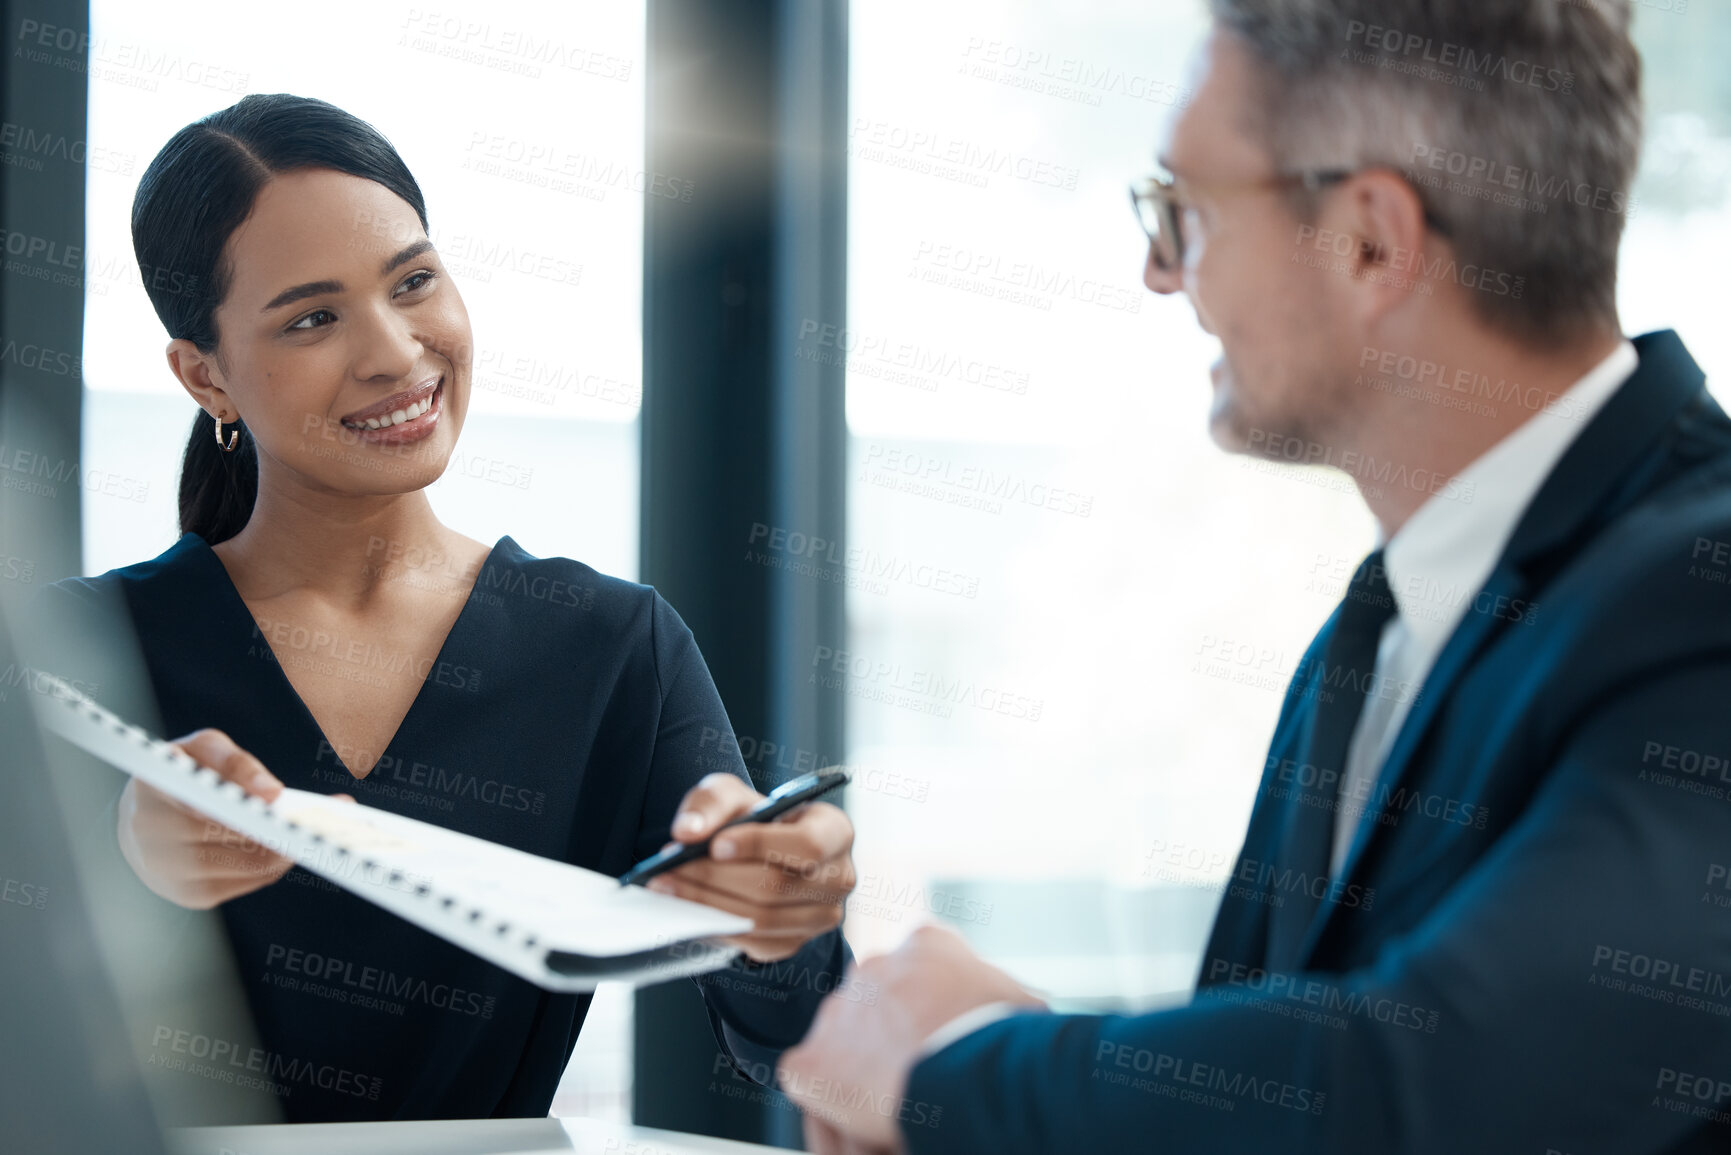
point(559, 926)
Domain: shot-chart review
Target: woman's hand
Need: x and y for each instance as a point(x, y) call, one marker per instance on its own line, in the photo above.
point(186, 857)
point(790, 877)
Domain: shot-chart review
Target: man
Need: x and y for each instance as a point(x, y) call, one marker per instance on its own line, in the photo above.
point(1478, 906)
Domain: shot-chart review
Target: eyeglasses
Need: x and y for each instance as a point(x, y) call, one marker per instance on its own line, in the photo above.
point(1161, 208)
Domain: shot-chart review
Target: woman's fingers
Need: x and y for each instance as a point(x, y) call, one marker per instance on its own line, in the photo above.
point(791, 878)
point(806, 919)
point(716, 799)
point(774, 883)
point(816, 832)
point(804, 854)
point(186, 856)
point(218, 751)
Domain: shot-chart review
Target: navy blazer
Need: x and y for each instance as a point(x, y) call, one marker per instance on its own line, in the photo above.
point(1528, 948)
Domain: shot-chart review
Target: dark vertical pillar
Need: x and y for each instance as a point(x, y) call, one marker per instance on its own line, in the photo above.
point(67, 1082)
point(747, 101)
point(809, 414)
point(43, 78)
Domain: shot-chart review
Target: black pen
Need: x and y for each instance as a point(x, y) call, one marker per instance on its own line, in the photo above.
point(780, 800)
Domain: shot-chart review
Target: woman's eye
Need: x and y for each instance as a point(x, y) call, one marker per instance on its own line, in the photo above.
point(311, 321)
point(416, 280)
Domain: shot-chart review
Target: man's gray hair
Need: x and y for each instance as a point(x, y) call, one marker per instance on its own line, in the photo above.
point(1518, 123)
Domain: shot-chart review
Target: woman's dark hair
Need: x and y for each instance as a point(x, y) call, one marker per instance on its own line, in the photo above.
point(197, 191)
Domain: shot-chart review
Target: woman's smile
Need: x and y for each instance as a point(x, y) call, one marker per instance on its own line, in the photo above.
point(402, 417)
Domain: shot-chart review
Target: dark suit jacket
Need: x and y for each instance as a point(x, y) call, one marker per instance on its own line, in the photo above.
point(1537, 957)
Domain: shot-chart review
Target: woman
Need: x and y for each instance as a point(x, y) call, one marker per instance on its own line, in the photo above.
point(317, 619)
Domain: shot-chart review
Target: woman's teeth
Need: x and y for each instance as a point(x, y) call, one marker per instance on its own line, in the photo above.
point(398, 416)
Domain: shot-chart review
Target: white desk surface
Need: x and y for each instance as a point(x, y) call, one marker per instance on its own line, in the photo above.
point(451, 1137)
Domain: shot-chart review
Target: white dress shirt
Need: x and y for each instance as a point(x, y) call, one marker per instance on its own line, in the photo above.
point(1439, 560)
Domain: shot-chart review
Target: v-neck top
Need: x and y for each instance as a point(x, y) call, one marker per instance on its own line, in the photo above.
point(566, 714)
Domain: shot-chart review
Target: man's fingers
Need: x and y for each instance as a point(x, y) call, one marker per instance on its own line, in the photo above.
point(822, 1139)
point(823, 1135)
point(714, 800)
point(786, 1071)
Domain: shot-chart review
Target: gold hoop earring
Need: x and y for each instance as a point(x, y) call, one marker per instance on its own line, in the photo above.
point(233, 436)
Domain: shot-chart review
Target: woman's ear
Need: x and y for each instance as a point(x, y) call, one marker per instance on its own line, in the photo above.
point(201, 376)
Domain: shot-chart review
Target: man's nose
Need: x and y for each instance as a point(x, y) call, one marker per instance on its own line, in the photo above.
point(1161, 280)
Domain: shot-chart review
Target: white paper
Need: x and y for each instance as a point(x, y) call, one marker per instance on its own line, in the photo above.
point(510, 907)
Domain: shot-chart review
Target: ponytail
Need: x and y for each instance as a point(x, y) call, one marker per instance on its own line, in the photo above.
point(217, 488)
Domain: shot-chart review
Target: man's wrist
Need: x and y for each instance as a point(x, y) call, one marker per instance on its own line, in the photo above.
point(966, 1024)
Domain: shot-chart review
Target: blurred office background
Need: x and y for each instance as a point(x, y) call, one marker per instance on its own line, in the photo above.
point(1008, 579)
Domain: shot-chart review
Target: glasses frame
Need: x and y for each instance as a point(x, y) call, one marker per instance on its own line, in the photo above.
point(1159, 207)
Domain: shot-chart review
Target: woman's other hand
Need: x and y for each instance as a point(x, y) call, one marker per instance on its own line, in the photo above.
point(790, 877)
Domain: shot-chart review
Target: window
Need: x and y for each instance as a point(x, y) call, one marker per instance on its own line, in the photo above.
point(1074, 618)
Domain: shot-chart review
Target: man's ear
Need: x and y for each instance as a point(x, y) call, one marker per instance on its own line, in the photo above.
point(1387, 217)
point(201, 376)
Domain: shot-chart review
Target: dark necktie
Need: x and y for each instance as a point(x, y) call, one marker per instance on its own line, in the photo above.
point(1328, 717)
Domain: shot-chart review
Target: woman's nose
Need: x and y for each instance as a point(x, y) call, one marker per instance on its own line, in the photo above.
point(389, 348)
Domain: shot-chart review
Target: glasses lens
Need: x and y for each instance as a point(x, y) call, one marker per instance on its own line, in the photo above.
point(1169, 240)
point(1146, 212)
point(1159, 217)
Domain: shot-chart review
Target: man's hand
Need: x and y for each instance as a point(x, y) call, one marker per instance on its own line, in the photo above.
point(791, 877)
point(850, 1074)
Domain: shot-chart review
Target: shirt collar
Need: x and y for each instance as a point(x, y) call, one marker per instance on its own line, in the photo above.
point(1440, 558)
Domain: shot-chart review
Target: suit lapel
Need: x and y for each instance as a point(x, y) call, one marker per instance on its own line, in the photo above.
point(1243, 925)
point(1605, 455)
point(1610, 448)
point(1474, 631)
point(1285, 928)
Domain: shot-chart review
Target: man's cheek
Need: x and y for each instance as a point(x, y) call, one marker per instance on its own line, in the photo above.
point(1200, 301)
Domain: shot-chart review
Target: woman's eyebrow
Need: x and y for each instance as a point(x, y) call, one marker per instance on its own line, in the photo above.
point(408, 254)
point(313, 288)
point(295, 293)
